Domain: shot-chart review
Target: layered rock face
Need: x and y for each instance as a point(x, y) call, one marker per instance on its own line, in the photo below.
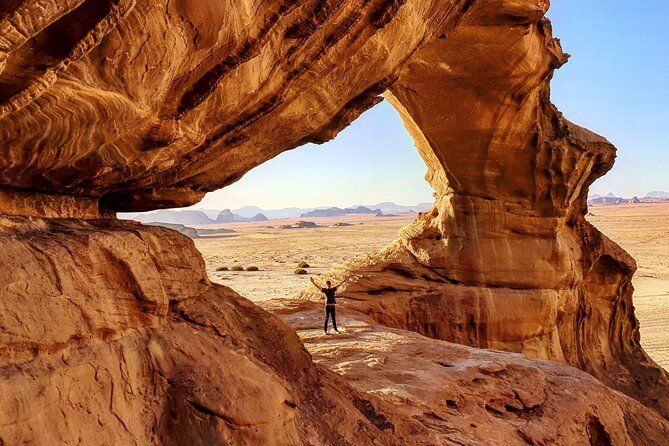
point(148, 104)
point(111, 332)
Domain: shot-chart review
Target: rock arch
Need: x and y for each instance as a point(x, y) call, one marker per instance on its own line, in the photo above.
point(506, 259)
point(112, 331)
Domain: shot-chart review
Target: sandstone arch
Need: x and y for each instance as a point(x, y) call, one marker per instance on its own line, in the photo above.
point(506, 259)
point(112, 331)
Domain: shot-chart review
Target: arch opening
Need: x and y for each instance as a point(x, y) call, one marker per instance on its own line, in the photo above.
point(357, 191)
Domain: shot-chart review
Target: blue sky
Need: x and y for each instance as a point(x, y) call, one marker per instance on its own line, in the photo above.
point(615, 84)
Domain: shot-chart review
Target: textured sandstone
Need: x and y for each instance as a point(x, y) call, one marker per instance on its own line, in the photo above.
point(467, 396)
point(505, 259)
point(153, 353)
point(111, 332)
point(140, 103)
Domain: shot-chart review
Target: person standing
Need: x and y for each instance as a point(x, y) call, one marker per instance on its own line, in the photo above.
point(330, 303)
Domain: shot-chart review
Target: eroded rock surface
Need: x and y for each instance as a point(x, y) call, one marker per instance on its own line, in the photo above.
point(145, 350)
point(111, 332)
point(468, 396)
point(140, 103)
point(505, 259)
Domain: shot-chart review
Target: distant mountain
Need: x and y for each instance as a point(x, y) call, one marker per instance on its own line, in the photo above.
point(200, 217)
point(336, 212)
point(187, 217)
point(392, 208)
point(386, 207)
point(227, 216)
point(424, 207)
point(612, 199)
point(272, 214)
point(598, 200)
point(211, 213)
point(248, 211)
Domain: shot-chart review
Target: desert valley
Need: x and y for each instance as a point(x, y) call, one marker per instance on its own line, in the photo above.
point(641, 229)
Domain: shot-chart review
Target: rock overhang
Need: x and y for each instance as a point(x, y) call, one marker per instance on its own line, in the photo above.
point(154, 116)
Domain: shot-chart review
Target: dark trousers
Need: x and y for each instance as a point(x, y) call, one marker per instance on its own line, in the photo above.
point(330, 311)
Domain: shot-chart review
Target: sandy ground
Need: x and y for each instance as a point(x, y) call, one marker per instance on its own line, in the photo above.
point(643, 230)
point(276, 252)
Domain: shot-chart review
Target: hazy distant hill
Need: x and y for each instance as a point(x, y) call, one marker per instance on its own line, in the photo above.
point(598, 200)
point(187, 217)
point(612, 199)
point(392, 208)
point(272, 214)
point(294, 212)
point(336, 212)
point(227, 216)
point(199, 217)
point(192, 232)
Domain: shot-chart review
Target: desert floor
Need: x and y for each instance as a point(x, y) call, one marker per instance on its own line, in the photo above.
point(643, 230)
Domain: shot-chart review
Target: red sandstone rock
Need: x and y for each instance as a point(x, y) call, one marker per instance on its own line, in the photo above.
point(463, 395)
point(111, 332)
point(506, 259)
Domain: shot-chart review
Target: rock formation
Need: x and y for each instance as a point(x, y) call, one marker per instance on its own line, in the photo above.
point(300, 224)
point(506, 259)
point(468, 396)
point(338, 212)
point(110, 332)
point(173, 217)
point(225, 216)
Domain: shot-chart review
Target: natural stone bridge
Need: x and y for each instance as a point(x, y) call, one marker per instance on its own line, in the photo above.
point(110, 332)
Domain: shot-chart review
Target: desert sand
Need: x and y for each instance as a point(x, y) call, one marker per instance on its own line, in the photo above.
point(642, 230)
point(277, 252)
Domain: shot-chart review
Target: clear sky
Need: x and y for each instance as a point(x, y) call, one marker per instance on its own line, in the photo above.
point(615, 84)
